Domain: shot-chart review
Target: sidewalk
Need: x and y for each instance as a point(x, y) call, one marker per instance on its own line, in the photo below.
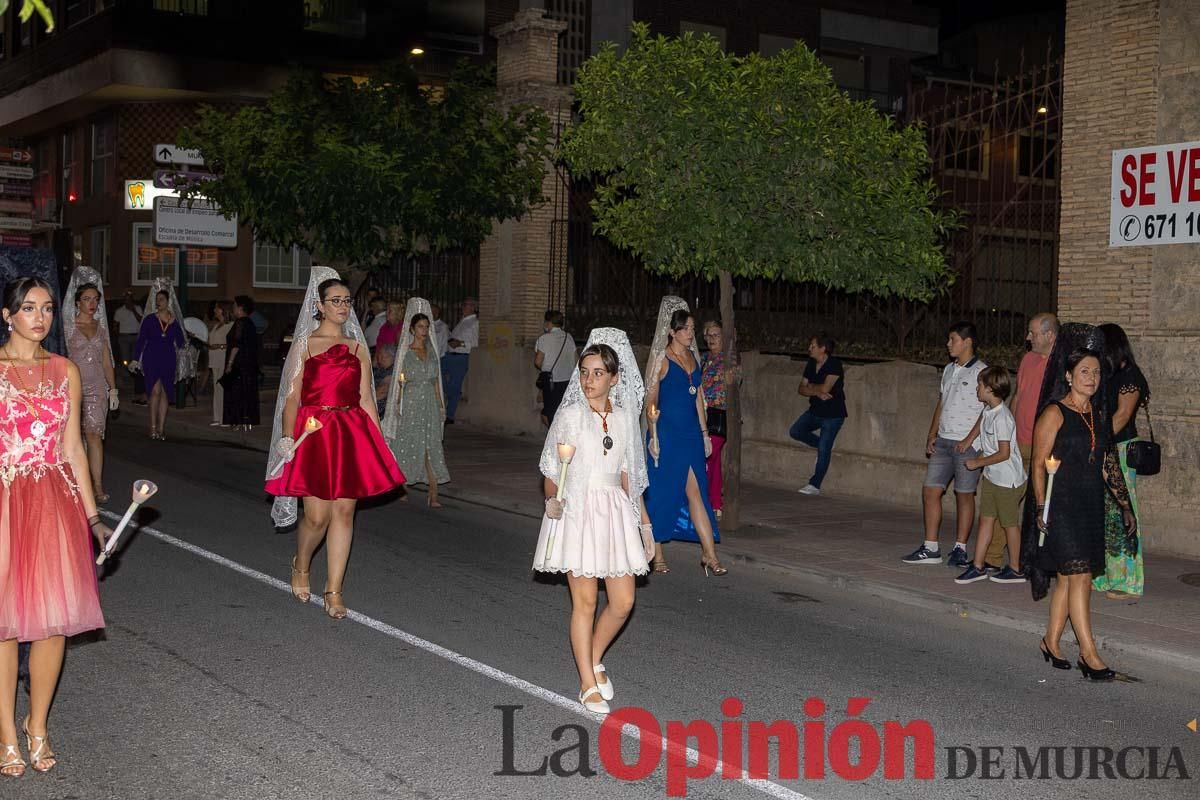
point(849, 542)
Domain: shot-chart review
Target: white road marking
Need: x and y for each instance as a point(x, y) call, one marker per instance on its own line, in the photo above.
point(568, 704)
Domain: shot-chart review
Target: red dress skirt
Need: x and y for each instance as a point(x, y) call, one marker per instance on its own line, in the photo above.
point(348, 457)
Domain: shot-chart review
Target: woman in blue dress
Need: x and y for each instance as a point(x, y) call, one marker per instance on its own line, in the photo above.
point(678, 443)
point(157, 350)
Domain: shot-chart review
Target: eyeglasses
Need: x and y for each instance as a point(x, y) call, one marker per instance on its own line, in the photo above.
point(344, 302)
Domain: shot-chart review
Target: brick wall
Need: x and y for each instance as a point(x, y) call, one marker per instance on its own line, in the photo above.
point(1110, 99)
point(1130, 79)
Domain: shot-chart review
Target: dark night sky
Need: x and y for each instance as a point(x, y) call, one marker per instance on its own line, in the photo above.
point(957, 14)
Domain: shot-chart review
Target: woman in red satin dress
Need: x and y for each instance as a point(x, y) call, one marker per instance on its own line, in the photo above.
point(346, 459)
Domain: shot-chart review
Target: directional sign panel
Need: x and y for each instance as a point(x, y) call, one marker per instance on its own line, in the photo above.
point(16, 155)
point(173, 154)
point(20, 173)
point(16, 223)
point(178, 179)
point(198, 223)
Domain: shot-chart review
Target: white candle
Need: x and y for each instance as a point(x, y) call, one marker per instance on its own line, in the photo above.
point(653, 414)
point(565, 453)
point(1052, 465)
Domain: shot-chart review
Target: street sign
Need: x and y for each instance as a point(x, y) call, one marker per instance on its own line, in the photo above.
point(173, 154)
point(16, 189)
point(179, 179)
point(19, 173)
point(11, 206)
point(16, 239)
point(16, 155)
point(202, 224)
point(16, 223)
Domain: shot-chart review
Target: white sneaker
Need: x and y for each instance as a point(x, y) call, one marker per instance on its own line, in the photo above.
point(595, 706)
point(606, 688)
point(810, 489)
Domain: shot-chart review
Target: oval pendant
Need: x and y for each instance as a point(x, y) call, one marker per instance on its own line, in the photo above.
point(608, 443)
point(38, 427)
point(692, 391)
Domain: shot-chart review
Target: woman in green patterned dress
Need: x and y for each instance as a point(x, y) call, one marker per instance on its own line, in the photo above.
point(416, 410)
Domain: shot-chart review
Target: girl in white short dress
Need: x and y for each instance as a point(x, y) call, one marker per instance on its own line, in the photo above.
point(599, 530)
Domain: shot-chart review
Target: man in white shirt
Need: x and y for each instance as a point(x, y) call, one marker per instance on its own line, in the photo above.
point(954, 417)
point(554, 354)
point(441, 331)
point(128, 321)
point(376, 316)
point(463, 339)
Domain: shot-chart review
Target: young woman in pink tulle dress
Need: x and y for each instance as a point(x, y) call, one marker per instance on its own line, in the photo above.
point(47, 581)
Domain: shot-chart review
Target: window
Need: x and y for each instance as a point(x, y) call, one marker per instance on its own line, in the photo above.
point(699, 29)
point(100, 250)
point(283, 267)
point(197, 8)
point(79, 10)
point(104, 158)
point(961, 149)
point(1037, 157)
point(45, 199)
point(202, 266)
point(70, 182)
point(150, 261)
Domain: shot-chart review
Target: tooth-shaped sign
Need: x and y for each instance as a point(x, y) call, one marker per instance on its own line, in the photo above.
point(137, 194)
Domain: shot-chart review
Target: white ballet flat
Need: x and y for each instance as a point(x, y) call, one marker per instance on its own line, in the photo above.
point(606, 688)
point(595, 706)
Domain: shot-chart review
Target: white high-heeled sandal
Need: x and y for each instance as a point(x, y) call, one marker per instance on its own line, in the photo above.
point(595, 706)
point(606, 688)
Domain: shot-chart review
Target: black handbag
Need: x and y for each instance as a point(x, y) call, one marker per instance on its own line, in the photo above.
point(717, 422)
point(1145, 458)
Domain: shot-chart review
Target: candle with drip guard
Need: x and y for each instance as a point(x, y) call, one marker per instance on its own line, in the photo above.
point(565, 453)
point(1052, 465)
point(653, 414)
point(143, 490)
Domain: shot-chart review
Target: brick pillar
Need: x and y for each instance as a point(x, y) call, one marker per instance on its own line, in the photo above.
point(1129, 80)
point(515, 260)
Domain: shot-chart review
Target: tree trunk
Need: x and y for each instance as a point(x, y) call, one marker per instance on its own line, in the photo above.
point(731, 459)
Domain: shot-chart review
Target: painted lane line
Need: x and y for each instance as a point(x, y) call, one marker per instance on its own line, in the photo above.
point(631, 732)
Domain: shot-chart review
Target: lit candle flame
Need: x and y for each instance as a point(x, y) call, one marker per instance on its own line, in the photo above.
point(312, 424)
point(1052, 465)
point(566, 452)
point(143, 491)
point(654, 413)
point(402, 378)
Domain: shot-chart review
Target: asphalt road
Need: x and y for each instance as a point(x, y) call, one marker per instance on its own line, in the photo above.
point(212, 682)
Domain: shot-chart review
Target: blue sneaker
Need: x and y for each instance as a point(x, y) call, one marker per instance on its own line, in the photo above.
point(958, 558)
point(1008, 575)
point(972, 574)
point(922, 555)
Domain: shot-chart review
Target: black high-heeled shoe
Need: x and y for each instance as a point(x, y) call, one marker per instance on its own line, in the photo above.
point(1106, 674)
point(1053, 660)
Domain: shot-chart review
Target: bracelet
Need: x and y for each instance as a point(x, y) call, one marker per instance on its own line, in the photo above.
point(94, 521)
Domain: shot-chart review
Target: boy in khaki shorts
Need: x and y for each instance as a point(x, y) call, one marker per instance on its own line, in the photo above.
point(1003, 484)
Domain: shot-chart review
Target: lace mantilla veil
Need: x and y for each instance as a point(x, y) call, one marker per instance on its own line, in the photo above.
point(283, 510)
point(81, 277)
point(185, 357)
point(395, 400)
point(662, 337)
point(627, 398)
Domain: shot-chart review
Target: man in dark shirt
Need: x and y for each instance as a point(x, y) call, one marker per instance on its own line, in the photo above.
point(824, 386)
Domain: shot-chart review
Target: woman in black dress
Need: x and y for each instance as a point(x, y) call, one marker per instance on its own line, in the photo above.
point(1073, 426)
point(241, 368)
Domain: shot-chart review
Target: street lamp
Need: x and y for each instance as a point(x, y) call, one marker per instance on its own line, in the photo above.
point(417, 51)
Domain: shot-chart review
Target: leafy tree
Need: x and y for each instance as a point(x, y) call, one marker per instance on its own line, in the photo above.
point(359, 170)
point(28, 7)
point(723, 166)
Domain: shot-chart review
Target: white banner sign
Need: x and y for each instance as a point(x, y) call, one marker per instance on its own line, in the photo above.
point(1155, 195)
point(201, 225)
